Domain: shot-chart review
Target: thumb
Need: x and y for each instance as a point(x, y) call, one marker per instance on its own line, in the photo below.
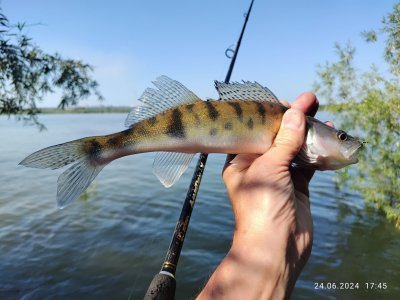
point(289, 139)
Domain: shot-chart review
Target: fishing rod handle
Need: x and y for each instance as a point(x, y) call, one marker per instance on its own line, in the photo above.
point(162, 287)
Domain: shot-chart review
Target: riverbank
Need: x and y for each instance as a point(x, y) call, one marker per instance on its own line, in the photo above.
point(86, 110)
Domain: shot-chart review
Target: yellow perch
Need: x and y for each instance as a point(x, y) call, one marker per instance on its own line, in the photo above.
point(177, 124)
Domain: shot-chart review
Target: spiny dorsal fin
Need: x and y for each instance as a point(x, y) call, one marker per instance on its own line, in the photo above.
point(169, 166)
point(244, 91)
point(169, 93)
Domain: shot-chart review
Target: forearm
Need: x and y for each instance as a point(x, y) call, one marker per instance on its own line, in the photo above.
point(254, 268)
point(273, 229)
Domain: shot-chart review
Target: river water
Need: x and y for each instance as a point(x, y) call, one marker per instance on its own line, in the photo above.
point(110, 244)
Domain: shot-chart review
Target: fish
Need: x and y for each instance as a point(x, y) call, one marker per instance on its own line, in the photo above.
point(177, 124)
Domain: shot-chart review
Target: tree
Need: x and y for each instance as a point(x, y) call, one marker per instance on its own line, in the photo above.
point(369, 104)
point(28, 74)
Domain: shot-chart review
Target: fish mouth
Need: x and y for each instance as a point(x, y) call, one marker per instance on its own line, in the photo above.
point(354, 152)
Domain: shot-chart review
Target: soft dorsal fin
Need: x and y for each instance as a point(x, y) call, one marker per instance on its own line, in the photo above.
point(169, 166)
point(168, 93)
point(244, 91)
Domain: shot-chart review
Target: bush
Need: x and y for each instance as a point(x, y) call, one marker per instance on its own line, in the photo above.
point(369, 104)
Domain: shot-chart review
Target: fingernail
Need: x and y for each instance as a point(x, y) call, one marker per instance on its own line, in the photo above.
point(292, 119)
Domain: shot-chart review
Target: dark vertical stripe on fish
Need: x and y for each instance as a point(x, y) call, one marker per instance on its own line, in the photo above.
point(152, 120)
point(189, 107)
point(114, 141)
point(250, 123)
point(212, 111)
point(261, 111)
point(176, 128)
point(238, 110)
point(93, 148)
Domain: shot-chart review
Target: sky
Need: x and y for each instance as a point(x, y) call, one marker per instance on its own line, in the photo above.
point(131, 43)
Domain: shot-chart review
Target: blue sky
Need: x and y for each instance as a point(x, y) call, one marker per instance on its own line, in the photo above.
point(130, 43)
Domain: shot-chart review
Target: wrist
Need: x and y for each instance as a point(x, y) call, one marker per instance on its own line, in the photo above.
point(266, 234)
point(261, 259)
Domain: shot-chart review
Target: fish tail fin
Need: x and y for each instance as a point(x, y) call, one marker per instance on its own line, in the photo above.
point(75, 180)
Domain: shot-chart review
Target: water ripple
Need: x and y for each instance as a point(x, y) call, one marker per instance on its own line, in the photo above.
point(110, 245)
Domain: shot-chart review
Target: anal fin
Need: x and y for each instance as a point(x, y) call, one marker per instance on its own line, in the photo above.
point(169, 166)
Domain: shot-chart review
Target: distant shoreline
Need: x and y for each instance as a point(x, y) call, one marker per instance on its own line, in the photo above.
point(110, 109)
point(86, 110)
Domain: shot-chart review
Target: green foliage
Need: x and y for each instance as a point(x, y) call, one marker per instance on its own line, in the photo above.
point(392, 29)
point(368, 104)
point(370, 36)
point(27, 74)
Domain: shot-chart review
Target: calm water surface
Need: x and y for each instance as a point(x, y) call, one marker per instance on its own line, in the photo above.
point(110, 245)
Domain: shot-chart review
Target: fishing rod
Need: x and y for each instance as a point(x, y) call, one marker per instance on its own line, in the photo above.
point(163, 285)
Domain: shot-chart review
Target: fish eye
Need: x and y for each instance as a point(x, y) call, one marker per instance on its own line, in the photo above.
point(342, 135)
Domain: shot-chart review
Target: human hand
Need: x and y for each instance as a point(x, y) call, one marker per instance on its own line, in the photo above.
point(273, 226)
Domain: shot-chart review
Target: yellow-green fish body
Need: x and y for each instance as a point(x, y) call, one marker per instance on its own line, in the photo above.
point(177, 124)
point(204, 126)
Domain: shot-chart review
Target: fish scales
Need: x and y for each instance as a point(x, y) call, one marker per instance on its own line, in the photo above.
point(205, 126)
